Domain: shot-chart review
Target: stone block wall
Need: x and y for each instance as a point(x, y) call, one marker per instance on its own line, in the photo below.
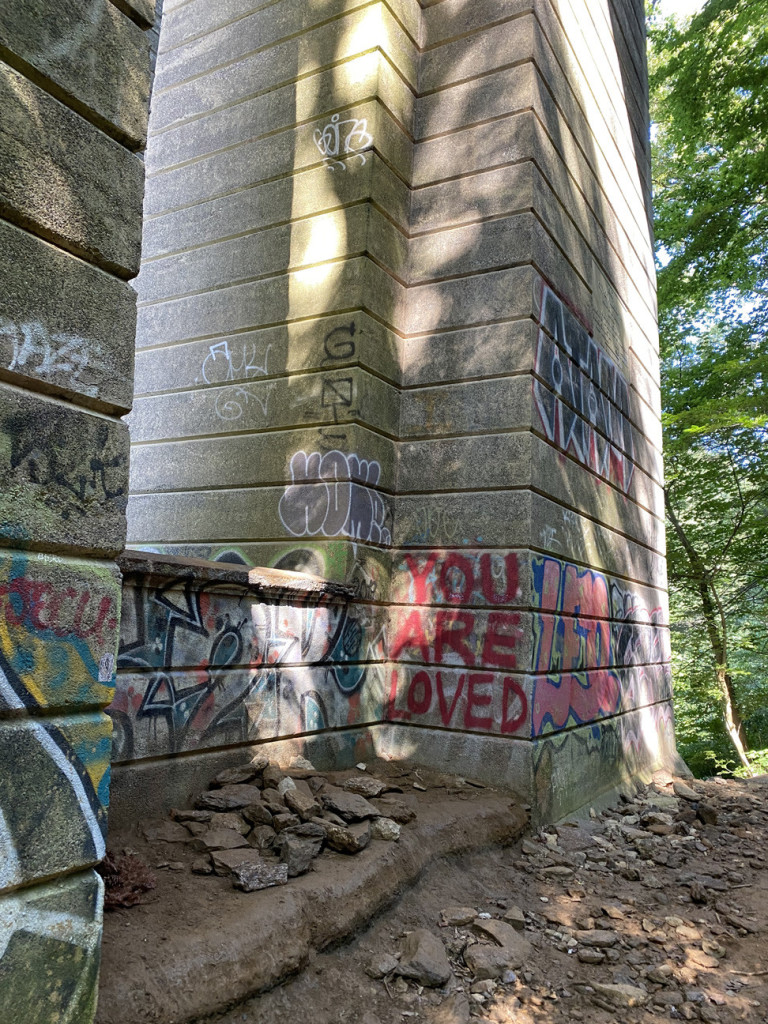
point(74, 84)
point(397, 328)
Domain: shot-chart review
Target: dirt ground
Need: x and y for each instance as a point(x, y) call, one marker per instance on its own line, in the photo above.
point(656, 908)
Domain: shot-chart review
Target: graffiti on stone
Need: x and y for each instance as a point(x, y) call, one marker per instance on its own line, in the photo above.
point(452, 699)
point(49, 949)
point(581, 395)
point(453, 577)
point(598, 649)
point(340, 140)
point(333, 495)
point(201, 666)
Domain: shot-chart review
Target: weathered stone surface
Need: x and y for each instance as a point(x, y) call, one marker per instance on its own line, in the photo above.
point(621, 995)
point(229, 820)
point(229, 798)
point(57, 613)
point(273, 801)
point(65, 324)
point(599, 938)
point(455, 917)
point(485, 961)
point(350, 806)
point(235, 776)
point(259, 874)
point(285, 820)
point(365, 785)
point(301, 803)
point(262, 837)
point(201, 817)
point(297, 852)
point(349, 839)
point(50, 974)
point(501, 932)
point(515, 917)
point(54, 818)
point(386, 829)
point(225, 861)
point(424, 959)
point(220, 839)
point(380, 965)
point(70, 495)
point(257, 814)
point(166, 832)
point(96, 58)
point(88, 188)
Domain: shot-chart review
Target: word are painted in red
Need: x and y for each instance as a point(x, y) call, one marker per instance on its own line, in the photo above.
point(475, 639)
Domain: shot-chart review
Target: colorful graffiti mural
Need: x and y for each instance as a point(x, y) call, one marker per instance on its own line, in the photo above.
point(205, 664)
point(58, 634)
point(581, 395)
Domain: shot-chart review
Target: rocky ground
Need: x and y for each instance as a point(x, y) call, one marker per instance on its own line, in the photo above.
point(656, 908)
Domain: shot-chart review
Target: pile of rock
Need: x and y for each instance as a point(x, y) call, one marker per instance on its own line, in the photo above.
point(262, 825)
point(634, 912)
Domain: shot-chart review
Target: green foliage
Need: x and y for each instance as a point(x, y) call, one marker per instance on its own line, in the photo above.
point(709, 99)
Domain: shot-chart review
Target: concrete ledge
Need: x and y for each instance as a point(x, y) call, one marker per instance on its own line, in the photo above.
point(148, 569)
point(271, 934)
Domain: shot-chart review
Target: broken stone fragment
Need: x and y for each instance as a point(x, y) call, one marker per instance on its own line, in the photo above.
point(386, 829)
point(297, 852)
point(220, 839)
point(516, 918)
point(189, 815)
point(424, 959)
point(501, 932)
point(272, 776)
point(455, 917)
point(364, 785)
point(235, 776)
point(349, 806)
point(230, 819)
point(224, 861)
point(259, 874)
point(285, 785)
point(257, 814)
point(397, 810)
point(262, 837)
point(347, 838)
point(195, 828)
point(229, 798)
point(685, 792)
point(598, 938)
point(285, 820)
point(301, 803)
point(302, 764)
point(486, 961)
point(621, 995)
point(590, 956)
point(166, 832)
point(202, 866)
point(380, 965)
point(273, 801)
point(706, 813)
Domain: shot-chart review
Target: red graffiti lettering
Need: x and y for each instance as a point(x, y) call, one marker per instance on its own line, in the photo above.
point(500, 639)
point(411, 635)
point(457, 579)
point(420, 576)
point(447, 636)
point(446, 713)
point(478, 700)
point(420, 705)
point(489, 590)
point(512, 689)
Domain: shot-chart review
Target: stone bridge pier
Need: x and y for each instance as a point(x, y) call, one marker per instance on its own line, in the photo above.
point(394, 327)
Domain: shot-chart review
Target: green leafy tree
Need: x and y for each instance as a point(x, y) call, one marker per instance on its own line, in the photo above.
point(709, 97)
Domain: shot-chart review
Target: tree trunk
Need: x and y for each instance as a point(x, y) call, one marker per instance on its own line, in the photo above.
point(717, 631)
